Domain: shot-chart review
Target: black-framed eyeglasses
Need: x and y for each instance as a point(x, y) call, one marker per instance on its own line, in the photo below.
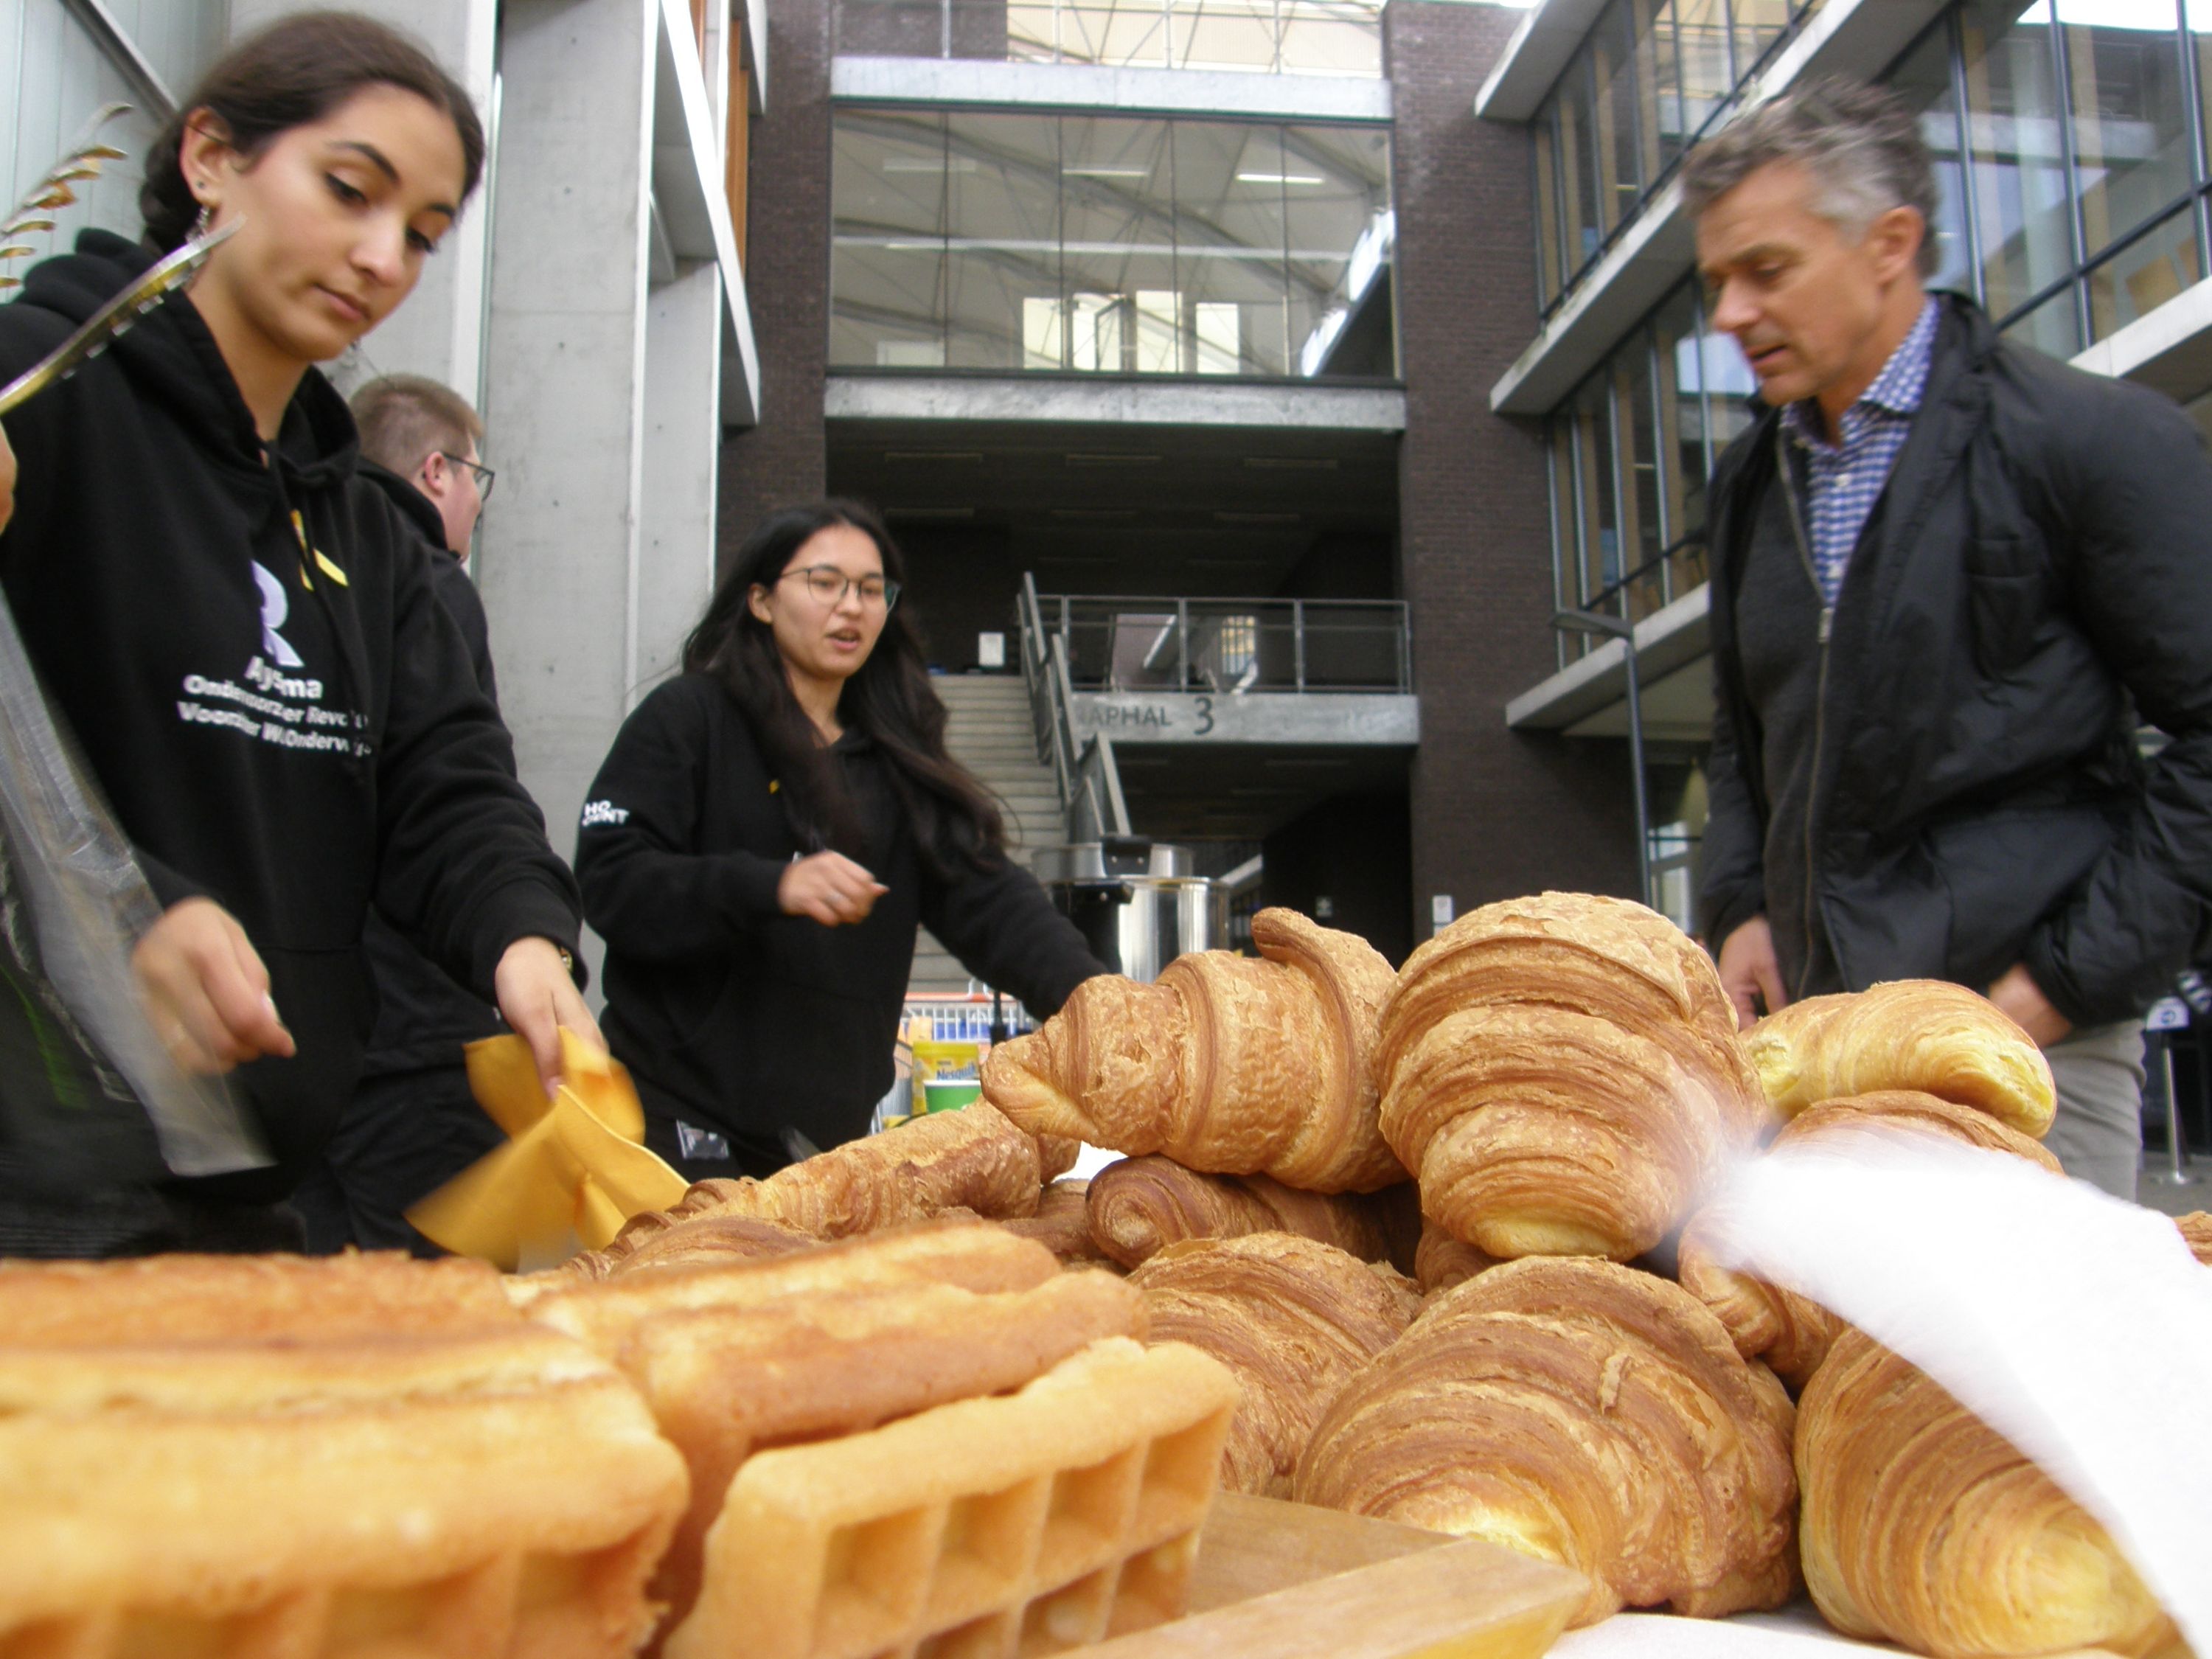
point(829, 585)
point(485, 476)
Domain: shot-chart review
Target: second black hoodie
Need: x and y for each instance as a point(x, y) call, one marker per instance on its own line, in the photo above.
point(253, 657)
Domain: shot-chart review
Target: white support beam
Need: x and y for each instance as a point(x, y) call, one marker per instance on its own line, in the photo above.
point(1134, 402)
point(1083, 85)
point(1532, 61)
point(688, 184)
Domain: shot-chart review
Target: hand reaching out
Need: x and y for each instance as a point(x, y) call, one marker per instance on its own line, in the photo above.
point(829, 887)
point(1749, 971)
point(206, 990)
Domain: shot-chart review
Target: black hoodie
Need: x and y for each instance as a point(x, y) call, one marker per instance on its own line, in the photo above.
point(423, 1018)
point(254, 658)
point(733, 1016)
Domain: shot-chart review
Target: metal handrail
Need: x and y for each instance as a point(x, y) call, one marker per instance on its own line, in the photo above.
point(1182, 647)
point(1089, 781)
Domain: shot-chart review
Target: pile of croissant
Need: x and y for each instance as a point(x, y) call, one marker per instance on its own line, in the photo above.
point(1444, 1225)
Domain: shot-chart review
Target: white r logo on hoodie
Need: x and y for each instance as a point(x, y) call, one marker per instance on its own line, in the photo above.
point(275, 607)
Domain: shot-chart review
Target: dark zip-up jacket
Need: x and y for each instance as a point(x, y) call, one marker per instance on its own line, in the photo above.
point(731, 1014)
point(253, 656)
point(2035, 580)
point(423, 1018)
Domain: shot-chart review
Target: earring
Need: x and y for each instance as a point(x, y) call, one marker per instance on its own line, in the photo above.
point(201, 224)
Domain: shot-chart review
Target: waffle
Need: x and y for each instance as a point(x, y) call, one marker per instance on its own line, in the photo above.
point(721, 1381)
point(496, 1494)
point(1029, 1522)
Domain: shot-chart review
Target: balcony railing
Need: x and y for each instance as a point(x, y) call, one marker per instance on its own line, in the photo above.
point(1254, 36)
point(1231, 646)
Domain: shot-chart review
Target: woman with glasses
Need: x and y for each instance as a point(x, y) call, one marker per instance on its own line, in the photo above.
point(767, 834)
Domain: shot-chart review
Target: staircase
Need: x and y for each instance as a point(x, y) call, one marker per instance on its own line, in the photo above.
point(990, 733)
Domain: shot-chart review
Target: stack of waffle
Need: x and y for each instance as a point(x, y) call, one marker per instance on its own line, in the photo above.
point(927, 1436)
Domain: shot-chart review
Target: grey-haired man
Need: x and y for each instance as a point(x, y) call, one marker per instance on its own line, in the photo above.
point(1951, 576)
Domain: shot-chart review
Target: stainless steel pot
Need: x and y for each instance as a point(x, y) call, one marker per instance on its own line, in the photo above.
point(1135, 901)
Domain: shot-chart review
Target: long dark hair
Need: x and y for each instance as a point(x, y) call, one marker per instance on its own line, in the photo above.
point(296, 70)
point(888, 698)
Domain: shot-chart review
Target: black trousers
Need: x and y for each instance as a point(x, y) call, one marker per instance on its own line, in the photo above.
point(699, 1150)
point(405, 1135)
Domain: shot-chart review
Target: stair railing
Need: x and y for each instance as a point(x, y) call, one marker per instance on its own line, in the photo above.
point(1090, 783)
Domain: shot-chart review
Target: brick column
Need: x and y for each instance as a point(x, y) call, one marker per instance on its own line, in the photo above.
point(1496, 814)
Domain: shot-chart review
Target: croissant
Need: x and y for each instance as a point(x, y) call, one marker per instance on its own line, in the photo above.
point(2196, 1233)
point(1141, 1205)
point(1790, 1333)
point(1583, 1412)
point(1292, 1318)
point(1921, 1034)
point(1225, 1063)
point(1923, 1526)
point(970, 1159)
point(1562, 1075)
point(1441, 1261)
point(1062, 1222)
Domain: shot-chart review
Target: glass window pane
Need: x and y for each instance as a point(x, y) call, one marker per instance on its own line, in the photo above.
point(1682, 446)
point(2020, 182)
point(2131, 115)
point(1559, 479)
point(1002, 190)
point(1032, 32)
point(2144, 275)
point(2051, 326)
point(2199, 16)
point(1546, 184)
point(1104, 32)
point(1331, 37)
point(1621, 175)
point(1118, 263)
point(1336, 206)
point(1758, 24)
point(1600, 502)
point(887, 253)
point(1578, 164)
point(1230, 181)
point(1701, 41)
point(1230, 35)
point(1923, 80)
point(1729, 384)
point(1667, 136)
point(1642, 532)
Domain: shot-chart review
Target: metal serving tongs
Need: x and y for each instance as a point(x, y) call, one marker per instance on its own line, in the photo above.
point(114, 318)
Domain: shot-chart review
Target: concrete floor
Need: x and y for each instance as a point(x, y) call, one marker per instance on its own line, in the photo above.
point(2154, 1191)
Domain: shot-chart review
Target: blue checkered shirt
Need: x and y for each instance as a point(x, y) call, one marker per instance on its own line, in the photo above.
point(1846, 479)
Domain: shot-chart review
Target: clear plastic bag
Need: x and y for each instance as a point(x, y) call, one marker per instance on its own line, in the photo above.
point(89, 903)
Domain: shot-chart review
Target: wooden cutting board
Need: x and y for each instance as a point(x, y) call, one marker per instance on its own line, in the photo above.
point(1289, 1581)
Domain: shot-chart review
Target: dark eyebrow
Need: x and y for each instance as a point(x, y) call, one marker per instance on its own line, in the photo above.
point(383, 165)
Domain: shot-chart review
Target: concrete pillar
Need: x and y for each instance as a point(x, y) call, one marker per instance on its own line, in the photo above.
point(558, 558)
point(438, 332)
point(682, 374)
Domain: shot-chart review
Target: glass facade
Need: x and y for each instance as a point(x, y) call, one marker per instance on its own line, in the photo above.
point(1650, 78)
point(1087, 244)
point(2075, 166)
point(1630, 454)
point(1264, 37)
